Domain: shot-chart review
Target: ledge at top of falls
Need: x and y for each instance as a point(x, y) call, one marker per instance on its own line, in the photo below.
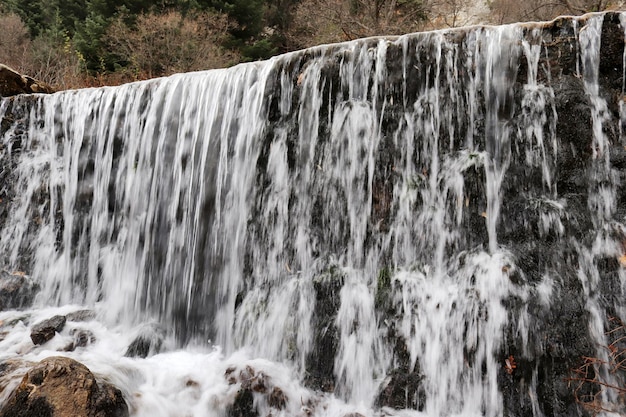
point(555, 33)
point(13, 83)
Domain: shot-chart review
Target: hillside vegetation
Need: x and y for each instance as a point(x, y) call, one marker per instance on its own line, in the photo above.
point(78, 43)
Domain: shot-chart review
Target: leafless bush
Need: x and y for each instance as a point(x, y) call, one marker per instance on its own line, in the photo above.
point(163, 44)
point(49, 57)
point(55, 61)
point(326, 21)
point(508, 11)
point(14, 42)
point(452, 13)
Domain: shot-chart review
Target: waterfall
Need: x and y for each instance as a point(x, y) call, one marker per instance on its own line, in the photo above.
point(431, 222)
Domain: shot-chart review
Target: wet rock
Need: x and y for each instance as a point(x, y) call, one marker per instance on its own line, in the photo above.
point(402, 390)
point(13, 83)
point(81, 315)
point(250, 380)
point(45, 330)
point(243, 405)
point(62, 387)
point(17, 290)
point(82, 338)
point(321, 360)
point(277, 399)
point(148, 342)
point(256, 391)
point(11, 321)
point(230, 375)
point(12, 370)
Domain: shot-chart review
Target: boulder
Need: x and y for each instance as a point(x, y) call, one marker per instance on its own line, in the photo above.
point(81, 315)
point(13, 83)
point(256, 393)
point(147, 342)
point(45, 330)
point(81, 338)
point(62, 387)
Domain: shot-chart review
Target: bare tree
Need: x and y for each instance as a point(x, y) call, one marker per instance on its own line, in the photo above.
point(507, 11)
point(452, 13)
point(163, 44)
point(326, 21)
point(49, 57)
point(15, 42)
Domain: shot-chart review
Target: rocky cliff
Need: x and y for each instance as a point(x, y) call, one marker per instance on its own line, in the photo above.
point(433, 222)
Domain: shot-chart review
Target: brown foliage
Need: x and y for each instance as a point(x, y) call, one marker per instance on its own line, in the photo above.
point(452, 13)
point(14, 42)
point(510, 365)
point(163, 44)
point(509, 11)
point(47, 58)
point(326, 21)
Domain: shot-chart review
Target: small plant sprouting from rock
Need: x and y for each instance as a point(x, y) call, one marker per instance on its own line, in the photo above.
point(383, 287)
point(510, 365)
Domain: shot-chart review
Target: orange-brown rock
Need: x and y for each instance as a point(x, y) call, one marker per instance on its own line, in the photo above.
point(63, 387)
point(13, 83)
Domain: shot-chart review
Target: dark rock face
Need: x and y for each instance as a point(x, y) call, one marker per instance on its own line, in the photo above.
point(16, 290)
point(13, 83)
point(558, 336)
point(401, 390)
point(45, 330)
point(320, 363)
point(148, 342)
point(62, 387)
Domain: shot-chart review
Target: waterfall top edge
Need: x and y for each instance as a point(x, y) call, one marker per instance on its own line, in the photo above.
point(330, 48)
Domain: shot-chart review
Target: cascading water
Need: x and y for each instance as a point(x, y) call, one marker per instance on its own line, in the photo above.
point(379, 225)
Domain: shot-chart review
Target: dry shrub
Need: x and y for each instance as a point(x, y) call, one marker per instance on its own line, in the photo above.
point(14, 42)
point(55, 61)
point(509, 11)
point(326, 21)
point(49, 57)
point(163, 44)
point(454, 13)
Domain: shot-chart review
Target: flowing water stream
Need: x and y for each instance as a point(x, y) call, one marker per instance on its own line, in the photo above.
point(329, 218)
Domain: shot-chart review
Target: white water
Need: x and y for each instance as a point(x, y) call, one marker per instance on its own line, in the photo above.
point(211, 203)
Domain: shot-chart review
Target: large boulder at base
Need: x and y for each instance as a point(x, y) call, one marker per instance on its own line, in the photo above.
point(62, 387)
point(13, 83)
